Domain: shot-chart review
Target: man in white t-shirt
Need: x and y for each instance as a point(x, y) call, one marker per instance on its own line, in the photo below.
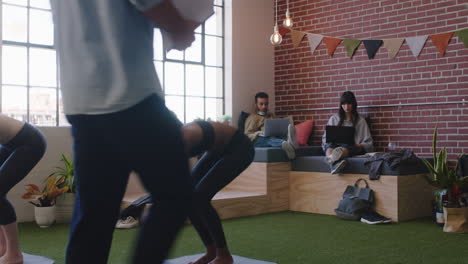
point(113, 100)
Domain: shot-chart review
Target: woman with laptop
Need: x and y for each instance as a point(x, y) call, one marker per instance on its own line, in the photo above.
point(338, 144)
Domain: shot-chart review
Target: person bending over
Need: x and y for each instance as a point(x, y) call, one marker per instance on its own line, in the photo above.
point(22, 146)
point(347, 116)
point(254, 128)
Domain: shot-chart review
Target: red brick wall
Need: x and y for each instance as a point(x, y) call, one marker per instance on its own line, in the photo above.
point(309, 81)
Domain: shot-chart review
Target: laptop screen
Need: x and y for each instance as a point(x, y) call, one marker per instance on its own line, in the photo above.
point(340, 135)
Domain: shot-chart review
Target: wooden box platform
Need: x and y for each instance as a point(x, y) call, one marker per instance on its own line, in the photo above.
point(401, 198)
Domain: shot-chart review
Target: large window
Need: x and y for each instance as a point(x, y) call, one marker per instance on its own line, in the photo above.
point(193, 80)
point(29, 85)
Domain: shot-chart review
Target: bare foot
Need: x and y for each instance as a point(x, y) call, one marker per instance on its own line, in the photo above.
point(223, 260)
point(205, 259)
point(12, 259)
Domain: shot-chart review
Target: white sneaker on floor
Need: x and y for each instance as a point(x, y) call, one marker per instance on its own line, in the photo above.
point(126, 223)
point(289, 149)
point(335, 155)
point(292, 138)
point(338, 168)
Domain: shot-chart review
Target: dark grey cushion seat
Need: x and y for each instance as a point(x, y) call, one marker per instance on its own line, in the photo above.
point(278, 154)
point(355, 166)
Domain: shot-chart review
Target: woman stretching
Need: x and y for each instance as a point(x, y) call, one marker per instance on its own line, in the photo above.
point(22, 146)
point(227, 152)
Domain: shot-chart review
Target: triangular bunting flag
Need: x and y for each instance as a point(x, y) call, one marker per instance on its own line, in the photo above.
point(393, 46)
point(331, 43)
point(441, 41)
point(463, 36)
point(351, 46)
point(283, 31)
point(372, 46)
point(416, 44)
point(314, 41)
point(297, 37)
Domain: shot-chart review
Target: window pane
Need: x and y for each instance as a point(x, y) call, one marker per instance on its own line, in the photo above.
point(213, 51)
point(14, 63)
point(198, 29)
point(44, 4)
point(43, 106)
point(159, 70)
point(214, 108)
point(218, 2)
point(174, 78)
point(194, 52)
point(176, 105)
point(214, 24)
point(16, 2)
point(175, 55)
point(157, 45)
point(214, 82)
point(43, 67)
point(41, 27)
point(14, 23)
point(14, 102)
point(194, 79)
point(196, 110)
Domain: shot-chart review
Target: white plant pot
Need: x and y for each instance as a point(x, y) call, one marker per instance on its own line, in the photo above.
point(44, 216)
point(64, 207)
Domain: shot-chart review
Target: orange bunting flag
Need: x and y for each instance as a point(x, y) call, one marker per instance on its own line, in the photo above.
point(441, 41)
point(297, 37)
point(283, 31)
point(332, 44)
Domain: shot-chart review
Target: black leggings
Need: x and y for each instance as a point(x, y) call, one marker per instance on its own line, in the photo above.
point(17, 158)
point(211, 173)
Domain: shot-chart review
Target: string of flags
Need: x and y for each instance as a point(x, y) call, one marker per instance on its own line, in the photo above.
point(393, 46)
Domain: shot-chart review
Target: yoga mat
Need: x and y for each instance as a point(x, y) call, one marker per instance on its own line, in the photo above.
point(33, 259)
point(237, 260)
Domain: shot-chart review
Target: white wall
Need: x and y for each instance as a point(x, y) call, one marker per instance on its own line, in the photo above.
point(58, 141)
point(249, 54)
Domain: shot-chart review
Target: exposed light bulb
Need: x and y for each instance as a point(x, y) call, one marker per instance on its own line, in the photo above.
point(276, 37)
point(288, 22)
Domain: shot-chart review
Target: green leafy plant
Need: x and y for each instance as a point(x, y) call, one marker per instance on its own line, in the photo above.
point(66, 173)
point(444, 177)
point(49, 193)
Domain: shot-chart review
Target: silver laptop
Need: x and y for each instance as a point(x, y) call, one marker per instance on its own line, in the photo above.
point(277, 127)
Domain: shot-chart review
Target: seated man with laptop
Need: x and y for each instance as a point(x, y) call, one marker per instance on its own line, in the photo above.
point(346, 134)
point(264, 130)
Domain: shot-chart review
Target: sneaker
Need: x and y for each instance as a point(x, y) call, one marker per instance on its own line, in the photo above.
point(289, 149)
point(335, 155)
point(373, 218)
point(128, 222)
point(292, 138)
point(338, 167)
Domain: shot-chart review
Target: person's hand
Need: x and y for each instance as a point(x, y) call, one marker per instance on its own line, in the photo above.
point(183, 35)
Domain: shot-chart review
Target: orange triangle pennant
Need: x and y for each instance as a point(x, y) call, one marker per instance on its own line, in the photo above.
point(332, 44)
point(297, 37)
point(441, 41)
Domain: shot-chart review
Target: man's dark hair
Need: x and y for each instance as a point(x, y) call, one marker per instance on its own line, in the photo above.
point(260, 95)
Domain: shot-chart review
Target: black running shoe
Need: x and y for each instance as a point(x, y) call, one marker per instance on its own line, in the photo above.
point(372, 218)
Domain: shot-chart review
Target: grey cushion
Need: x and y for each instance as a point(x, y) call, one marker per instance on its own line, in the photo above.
point(278, 155)
point(355, 166)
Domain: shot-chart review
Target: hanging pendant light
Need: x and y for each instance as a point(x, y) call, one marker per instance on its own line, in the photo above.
point(276, 37)
point(288, 20)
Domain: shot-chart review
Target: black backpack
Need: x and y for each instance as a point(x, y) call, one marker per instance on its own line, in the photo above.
point(355, 202)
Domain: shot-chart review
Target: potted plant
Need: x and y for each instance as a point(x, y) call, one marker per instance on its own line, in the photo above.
point(446, 178)
point(65, 203)
point(44, 201)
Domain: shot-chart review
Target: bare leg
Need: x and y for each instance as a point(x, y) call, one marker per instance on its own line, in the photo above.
point(209, 255)
point(2, 243)
point(13, 254)
point(223, 256)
